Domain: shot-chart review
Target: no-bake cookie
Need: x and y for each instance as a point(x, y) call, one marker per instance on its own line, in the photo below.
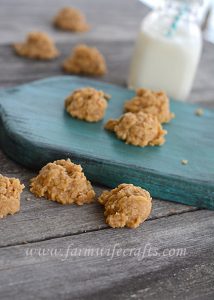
point(155, 103)
point(37, 46)
point(85, 60)
point(71, 19)
point(64, 182)
point(10, 191)
point(87, 104)
point(126, 205)
point(140, 129)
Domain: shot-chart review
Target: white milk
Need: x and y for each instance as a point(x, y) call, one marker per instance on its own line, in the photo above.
point(162, 62)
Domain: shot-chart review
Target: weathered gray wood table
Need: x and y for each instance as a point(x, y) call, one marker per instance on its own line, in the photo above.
point(49, 251)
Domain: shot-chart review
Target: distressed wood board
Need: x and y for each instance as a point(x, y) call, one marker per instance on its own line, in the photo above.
point(35, 129)
point(30, 272)
point(40, 219)
point(48, 225)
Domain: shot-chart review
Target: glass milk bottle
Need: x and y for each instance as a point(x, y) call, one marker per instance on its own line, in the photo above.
point(167, 50)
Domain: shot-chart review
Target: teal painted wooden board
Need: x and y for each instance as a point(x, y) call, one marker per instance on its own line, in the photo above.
point(35, 129)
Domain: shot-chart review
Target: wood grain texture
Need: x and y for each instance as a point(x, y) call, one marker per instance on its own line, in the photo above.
point(118, 20)
point(17, 70)
point(35, 129)
point(25, 274)
point(115, 24)
point(40, 219)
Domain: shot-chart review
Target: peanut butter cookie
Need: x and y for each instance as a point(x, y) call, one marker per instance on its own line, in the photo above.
point(155, 103)
point(87, 104)
point(10, 191)
point(139, 129)
point(85, 60)
point(71, 19)
point(126, 205)
point(64, 182)
point(37, 46)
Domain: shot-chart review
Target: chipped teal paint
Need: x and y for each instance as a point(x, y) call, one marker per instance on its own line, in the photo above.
point(35, 129)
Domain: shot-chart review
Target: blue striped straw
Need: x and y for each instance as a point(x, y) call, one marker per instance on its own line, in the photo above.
point(174, 25)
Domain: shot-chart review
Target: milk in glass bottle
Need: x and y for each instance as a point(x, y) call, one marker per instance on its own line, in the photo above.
point(168, 50)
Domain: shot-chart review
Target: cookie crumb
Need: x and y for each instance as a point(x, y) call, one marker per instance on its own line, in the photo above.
point(64, 182)
point(38, 45)
point(184, 161)
point(71, 19)
point(154, 103)
point(126, 205)
point(140, 129)
point(86, 61)
point(10, 191)
point(199, 112)
point(87, 104)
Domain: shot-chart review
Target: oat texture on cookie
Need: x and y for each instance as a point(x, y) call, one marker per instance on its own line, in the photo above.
point(64, 182)
point(126, 205)
point(155, 103)
point(87, 104)
point(10, 191)
point(138, 129)
point(71, 19)
point(85, 60)
point(38, 45)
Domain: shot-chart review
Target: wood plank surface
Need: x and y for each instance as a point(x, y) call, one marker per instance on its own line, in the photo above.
point(113, 20)
point(64, 269)
point(47, 225)
point(16, 70)
point(37, 130)
point(40, 219)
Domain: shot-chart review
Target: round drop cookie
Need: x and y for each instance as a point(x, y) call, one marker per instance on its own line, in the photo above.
point(139, 129)
point(71, 19)
point(85, 60)
point(155, 103)
point(10, 191)
point(64, 182)
point(38, 45)
point(87, 104)
point(126, 205)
